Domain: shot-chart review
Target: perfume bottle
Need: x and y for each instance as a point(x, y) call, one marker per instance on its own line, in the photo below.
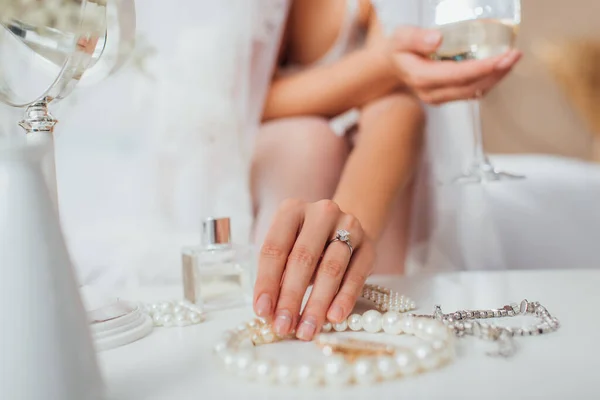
point(218, 274)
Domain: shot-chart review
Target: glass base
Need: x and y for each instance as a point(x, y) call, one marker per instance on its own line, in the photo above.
point(485, 173)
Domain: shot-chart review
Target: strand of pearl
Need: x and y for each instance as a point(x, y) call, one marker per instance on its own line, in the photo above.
point(386, 299)
point(174, 313)
point(437, 350)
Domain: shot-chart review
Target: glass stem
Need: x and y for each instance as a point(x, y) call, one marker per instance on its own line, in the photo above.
point(479, 157)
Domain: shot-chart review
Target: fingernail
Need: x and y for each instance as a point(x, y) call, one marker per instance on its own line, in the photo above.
point(263, 305)
point(307, 329)
point(336, 313)
point(283, 322)
point(433, 37)
point(506, 61)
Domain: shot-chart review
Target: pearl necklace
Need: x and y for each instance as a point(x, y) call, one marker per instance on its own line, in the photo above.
point(174, 313)
point(347, 361)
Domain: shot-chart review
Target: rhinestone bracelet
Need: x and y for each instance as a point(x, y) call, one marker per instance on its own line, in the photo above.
point(465, 322)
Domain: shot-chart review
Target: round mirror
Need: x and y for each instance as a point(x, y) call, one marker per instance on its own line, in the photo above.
point(47, 47)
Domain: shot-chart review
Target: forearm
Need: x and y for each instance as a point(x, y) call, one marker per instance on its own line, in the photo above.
point(383, 161)
point(330, 90)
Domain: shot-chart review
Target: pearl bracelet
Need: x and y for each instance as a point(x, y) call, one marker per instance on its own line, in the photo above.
point(174, 313)
point(347, 361)
point(386, 299)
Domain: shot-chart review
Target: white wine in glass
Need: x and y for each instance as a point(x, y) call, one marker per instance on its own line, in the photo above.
point(474, 30)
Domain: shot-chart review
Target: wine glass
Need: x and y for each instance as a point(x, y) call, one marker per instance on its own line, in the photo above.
point(474, 30)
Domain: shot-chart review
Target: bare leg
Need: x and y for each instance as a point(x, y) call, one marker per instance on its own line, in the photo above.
point(294, 158)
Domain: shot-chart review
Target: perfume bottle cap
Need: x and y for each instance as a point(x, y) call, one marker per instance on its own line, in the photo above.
point(216, 231)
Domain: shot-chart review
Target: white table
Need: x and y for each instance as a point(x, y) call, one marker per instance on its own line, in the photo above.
point(177, 363)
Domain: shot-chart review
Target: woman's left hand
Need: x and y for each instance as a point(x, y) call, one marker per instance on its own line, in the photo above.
point(299, 249)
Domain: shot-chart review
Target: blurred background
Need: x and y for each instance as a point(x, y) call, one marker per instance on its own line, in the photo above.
point(142, 157)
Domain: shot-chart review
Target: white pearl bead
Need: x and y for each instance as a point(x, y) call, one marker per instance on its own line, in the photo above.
point(229, 359)
point(341, 327)
point(167, 320)
point(264, 371)
point(407, 363)
point(195, 317)
point(154, 307)
point(177, 309)
point(327, 327)
point(220, 348)
point(337, 371)
point(408, 325)
point(441, 350)
point(308, 375)
point(253, 324)
point(157, 319)
point(387, 367)
point(244, 364)
point(285, 374)
point(371, 321)
point(364, 372)
point(355, 322)
point(426, 357)
point(165, 307)
point(181, 318)
point(267, 334)
point(392, 323)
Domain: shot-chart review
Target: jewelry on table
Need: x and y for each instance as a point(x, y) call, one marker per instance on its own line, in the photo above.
point(342, 235)
point(464, 322)
point(348, 360)
point(174, 313)
point(386, 299)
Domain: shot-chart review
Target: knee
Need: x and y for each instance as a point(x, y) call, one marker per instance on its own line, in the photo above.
point(307, 142)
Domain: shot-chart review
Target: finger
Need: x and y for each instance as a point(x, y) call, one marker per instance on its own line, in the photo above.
point(358, 271)
point(329, 276)
point(320, 219)
point(476, 89)
point(273, 256)
point(416, 40)
point(429, 74)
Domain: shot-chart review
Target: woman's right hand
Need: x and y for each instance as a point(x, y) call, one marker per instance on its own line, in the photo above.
point(437, 82)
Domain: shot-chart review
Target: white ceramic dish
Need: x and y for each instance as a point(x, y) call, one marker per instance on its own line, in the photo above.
point(129, 336)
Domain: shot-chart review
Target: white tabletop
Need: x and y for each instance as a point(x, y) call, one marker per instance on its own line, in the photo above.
point(177, 363)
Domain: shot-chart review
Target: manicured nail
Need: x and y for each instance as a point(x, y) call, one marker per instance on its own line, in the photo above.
point(283, 322)
point(264, 305)
point(433, 37)
point(307, 329)
point(336, 314)
point(506, 61)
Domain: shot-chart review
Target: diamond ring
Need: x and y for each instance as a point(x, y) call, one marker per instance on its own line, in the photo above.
point(343, 236)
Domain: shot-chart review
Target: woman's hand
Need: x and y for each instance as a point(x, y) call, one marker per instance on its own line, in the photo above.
point(437, 82)
point(299, 250)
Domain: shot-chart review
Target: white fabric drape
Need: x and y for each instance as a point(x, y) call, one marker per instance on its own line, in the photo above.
point(143, 157)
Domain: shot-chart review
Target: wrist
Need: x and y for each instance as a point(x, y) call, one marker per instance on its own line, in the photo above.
point(381, 58)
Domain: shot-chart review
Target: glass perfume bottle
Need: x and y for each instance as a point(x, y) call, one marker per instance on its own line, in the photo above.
point(218, 274)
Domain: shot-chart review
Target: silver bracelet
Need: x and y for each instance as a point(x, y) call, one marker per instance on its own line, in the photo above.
point(465, 322)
